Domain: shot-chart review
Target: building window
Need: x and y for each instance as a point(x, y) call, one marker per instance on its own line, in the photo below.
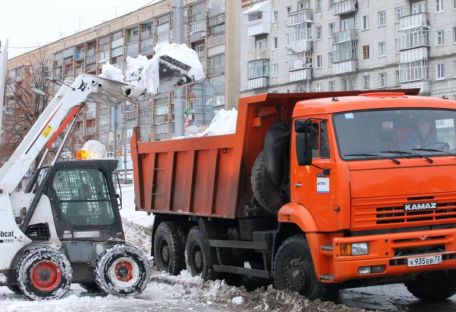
point(397, 77)
point(332, 86)
point(318, 5)
point(275, 70)
point(440, 37)
point(318, 32)
point(365, 52)
point(276, 16)
point(381, 18)
point(366, 82)
point(366, 22)
point(347, 84)
point(258, 69)
point(261, 43)
point(330, 57)
point(382, 77)
point(382, 48)
point(331, 28)
point(319, 61)
point(439, 5)
point(440, 72)
point(397, 14)
point(276, 42)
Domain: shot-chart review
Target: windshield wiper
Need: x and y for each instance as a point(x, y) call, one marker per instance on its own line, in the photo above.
point(434, 150)
point(374, 155)
point(408, 153)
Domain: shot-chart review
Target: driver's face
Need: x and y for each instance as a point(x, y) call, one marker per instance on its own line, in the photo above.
point(424, 127)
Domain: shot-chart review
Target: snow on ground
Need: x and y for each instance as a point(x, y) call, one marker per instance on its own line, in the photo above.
point(170, 293)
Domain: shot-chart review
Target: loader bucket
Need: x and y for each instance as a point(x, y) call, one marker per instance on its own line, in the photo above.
point(172, 73)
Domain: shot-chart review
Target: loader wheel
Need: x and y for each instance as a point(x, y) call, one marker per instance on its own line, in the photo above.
point(433, 286)
point(44, 273)
point(169, 248)
point(266, 193)
point(198, 255)
point(294, 270)
point(122, 270)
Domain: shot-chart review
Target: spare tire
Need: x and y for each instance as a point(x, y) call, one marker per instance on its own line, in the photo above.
point(267, 194)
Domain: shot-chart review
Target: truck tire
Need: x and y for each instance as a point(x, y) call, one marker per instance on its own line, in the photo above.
point(45, 274)
point(122, 270)
point(198, 255)
point(433, 286)
point(294, 270)
point(266, 193)
point(168, 248)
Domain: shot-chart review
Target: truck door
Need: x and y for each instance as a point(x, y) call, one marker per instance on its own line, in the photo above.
point(312, 186)
point(83, 204)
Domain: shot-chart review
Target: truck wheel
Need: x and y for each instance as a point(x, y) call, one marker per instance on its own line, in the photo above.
point(198, 255)
point(433, 286)
point(294, 270)
point(122, 270)
point(264, 190)
point(169, 248)
point(44, 273)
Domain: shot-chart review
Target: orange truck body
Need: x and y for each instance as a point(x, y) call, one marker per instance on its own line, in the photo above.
point(209, 177)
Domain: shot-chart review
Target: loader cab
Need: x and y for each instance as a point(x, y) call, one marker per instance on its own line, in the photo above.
point(84, 201)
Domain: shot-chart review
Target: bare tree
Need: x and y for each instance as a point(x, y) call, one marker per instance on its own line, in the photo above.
point(22, 105)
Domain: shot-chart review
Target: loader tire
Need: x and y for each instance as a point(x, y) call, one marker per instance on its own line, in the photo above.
point(294, 270)
point(433, 286)
point(122, 270)
point(168, 248)
point(266, 193)
point(44, 274)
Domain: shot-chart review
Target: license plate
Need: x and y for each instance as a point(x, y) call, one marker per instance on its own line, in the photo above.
point(422, 261)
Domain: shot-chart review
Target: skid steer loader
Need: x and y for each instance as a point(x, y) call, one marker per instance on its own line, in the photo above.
point(66, 227)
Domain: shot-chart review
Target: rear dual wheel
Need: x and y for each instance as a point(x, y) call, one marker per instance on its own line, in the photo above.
point(168, 248)
point(198, 255)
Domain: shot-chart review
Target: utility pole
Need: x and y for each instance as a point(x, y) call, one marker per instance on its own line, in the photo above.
point(178, 34)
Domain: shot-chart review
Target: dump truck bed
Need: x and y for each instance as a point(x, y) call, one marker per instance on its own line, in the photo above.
point(210, 176)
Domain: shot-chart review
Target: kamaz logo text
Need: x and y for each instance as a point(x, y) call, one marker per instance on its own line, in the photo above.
point(6, 234)
point(421, 206)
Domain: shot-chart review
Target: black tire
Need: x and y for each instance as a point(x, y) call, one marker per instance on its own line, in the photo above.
point(294, 270)
point(198, 255)
point(169, 248)
point(266, 193)
point(433, 286)
point(15, 289)
point(92, 288)
point(122, 270)
point(45, 274)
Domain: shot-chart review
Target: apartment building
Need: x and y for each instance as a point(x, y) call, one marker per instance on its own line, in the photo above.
point(211, 28)
point(333, 45)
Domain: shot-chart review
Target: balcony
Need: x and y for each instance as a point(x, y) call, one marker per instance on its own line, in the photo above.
point(345, 67)
point(258, 18)
point(299, 17)
point(298, 75)
point(132, 49)
point(345, 36)
point(117, 51)
point(91, 59)
point(197, 31)
point(68, 53)
point(414, 38)
point(412, 55)
point(117, 43)
point(258, 83)
point(145, 34)
point(414, 71)
point(90, 130)
point(163, 36)
point(91, 68)
point(90, 114)
point(216, 9)
point(299, 63)
point(216, 40)
point(298, 46)
point(79, 56)
point(414, 21)
point(212, 71)
point(258, 54)
point(345, 7)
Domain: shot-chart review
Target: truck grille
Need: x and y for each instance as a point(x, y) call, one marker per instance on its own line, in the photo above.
point(381, 213)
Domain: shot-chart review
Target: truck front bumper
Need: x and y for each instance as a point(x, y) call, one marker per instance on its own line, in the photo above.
point(389, 254)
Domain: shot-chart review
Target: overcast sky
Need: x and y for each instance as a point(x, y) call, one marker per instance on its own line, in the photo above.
point(29, 24)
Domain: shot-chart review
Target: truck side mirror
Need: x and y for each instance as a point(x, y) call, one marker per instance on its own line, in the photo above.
point(303, 130)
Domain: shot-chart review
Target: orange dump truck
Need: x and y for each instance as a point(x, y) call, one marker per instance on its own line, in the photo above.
point(315, 192)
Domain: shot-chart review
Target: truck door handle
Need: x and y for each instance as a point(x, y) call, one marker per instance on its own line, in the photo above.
point(298, 185)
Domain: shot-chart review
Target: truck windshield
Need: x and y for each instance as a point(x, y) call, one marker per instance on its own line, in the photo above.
point(399, 133)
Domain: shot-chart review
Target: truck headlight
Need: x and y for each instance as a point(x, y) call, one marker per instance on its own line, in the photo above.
point(354, 249)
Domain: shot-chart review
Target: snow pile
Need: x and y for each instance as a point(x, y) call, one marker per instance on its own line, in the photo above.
point(95, 149)
point(134, 67)
point(224, 122)
point(111, 72)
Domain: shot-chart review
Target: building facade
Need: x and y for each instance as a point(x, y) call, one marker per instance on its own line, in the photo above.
point(333, 45)
point(211, 28)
